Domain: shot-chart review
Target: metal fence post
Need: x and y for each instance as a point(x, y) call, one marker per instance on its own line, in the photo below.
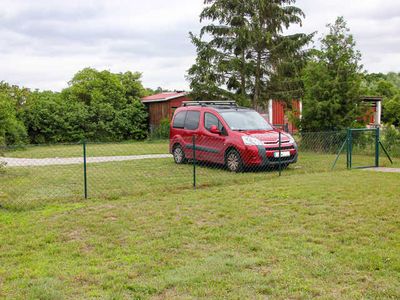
point(280, 154)
point(349, 148)
point(377, 142)
point(194, 161)
point(287, 128)
point(85, 169)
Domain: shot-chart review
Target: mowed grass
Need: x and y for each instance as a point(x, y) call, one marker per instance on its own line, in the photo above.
point(93, 149)
point(329, 235)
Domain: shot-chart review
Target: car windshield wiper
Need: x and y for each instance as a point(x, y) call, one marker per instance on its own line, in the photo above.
point(248, 129)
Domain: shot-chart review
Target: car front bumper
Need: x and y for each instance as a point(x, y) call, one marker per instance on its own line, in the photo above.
point(262, 156)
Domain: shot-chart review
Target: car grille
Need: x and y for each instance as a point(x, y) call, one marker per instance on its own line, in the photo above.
point(276, 142)
point(282, 148)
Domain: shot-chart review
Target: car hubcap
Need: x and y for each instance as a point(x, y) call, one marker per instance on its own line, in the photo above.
point(178, 154)
point(233, 162)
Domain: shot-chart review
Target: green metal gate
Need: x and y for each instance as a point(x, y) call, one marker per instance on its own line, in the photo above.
point(363, 146)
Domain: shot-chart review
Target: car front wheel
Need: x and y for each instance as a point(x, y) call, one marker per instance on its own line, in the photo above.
point(179, 155)
point(233, 161)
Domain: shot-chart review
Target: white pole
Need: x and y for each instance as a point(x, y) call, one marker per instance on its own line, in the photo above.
point(378, 113)
point(270, 112)
point(301, 109)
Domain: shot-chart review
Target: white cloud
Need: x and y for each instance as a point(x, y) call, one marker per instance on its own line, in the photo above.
point(375, 25)
point(45, 42)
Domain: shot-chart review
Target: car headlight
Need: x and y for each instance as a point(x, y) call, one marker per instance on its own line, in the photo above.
point(291, 139)
point(251, 141)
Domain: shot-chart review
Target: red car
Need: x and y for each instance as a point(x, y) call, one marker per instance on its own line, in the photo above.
point(230, 135)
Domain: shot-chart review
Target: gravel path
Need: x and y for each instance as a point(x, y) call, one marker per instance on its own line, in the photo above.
point(385, 170)
point(31, 162)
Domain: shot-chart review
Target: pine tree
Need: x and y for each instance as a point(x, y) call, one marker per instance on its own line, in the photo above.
point(243, 54)
point(220, 68)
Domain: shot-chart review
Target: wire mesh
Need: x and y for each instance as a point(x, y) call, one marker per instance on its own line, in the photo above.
point(39, 174)
point(364, 148)
point(47, 174)
point(390, 139)
point(134, 169)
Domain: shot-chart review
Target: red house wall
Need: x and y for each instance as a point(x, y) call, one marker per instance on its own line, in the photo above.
point(278, 112)
point(279, 109)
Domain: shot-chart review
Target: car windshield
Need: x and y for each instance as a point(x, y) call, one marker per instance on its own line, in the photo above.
point(245, 120)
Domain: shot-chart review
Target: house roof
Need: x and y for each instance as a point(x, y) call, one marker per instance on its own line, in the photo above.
point(164, 97)
point(372, 99)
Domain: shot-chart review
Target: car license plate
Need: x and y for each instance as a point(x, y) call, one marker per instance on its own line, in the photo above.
point(283, 154)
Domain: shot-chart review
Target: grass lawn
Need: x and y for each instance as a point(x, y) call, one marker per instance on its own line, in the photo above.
point(314, 235)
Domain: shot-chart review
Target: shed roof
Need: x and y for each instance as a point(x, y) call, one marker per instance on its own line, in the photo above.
point(164, 97)
point(372, 99)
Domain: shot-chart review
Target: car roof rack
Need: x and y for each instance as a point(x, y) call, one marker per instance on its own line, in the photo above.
point(210, 103)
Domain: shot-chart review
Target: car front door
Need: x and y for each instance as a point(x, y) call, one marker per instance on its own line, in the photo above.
point(211, 145)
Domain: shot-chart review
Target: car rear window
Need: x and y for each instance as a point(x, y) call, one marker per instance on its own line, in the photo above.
point(179, 120)
point(192, 120)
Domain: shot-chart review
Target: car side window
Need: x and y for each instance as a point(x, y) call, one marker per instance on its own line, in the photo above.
point(179, 120)
point(192, 120)
point(210, 120)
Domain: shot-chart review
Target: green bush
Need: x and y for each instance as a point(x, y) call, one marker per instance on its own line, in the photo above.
point(162, 131)
point(111, 105)
point(12, 130)
point(50, 119)
point(391, 140)
point(98, 106)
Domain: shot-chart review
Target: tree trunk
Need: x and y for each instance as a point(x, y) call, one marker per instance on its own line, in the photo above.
point(243, 76)
point(257, 83)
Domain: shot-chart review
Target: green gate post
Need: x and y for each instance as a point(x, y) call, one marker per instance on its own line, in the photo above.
point(194, 161)
point(85, 169)
point(351, 149)
point(348, 148)
point(280, 154)
point(377, 143)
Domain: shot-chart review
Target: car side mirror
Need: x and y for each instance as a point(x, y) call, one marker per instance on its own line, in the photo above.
point(214, 129)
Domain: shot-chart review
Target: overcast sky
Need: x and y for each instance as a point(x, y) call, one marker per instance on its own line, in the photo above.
point(43, 43)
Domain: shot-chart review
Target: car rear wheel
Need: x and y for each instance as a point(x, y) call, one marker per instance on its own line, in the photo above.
point(233, 161)
point(179, 155)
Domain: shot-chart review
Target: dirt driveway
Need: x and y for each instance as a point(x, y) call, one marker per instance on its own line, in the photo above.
point(32, 162)
point(385, 170)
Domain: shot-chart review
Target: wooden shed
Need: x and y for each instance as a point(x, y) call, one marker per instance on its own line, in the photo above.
point(163, 105)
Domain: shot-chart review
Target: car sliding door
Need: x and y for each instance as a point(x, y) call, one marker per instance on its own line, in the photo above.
point(192, 122)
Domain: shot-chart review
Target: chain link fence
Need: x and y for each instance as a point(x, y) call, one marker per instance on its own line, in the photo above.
point(48, 174)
